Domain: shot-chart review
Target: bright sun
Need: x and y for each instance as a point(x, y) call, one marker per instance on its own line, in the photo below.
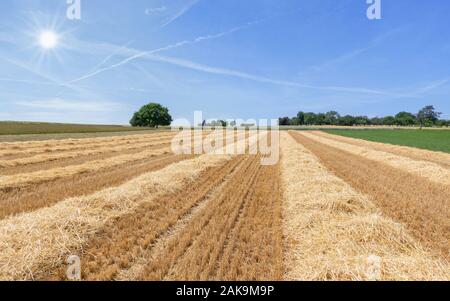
point(48, 39)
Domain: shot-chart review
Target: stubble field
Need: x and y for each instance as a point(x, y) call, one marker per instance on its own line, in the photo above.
point(133, 210)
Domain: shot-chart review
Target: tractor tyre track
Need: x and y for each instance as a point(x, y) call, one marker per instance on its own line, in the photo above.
point(45, 194)
point(440, 158)
point(423, 206)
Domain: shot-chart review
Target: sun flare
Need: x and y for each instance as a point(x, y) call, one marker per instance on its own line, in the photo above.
point(48, 39)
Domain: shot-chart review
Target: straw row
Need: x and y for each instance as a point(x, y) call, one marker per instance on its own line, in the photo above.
point(25, 179)
point(74, 154)
point(333, 232)
point(440, 158)
point(33, 244)
point(71, 144)
point(427, 170)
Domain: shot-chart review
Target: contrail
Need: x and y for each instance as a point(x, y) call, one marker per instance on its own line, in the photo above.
point(106, 59)
point(173, 46)
point(433, 86)
point(239, 74)
point(180, 13)
point(44, 76)
point(24, 81)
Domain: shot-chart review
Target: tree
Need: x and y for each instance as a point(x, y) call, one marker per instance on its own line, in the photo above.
point(389, 120)
point(310, 119)
point(135, 120)
point(428, 116)
point(320, 119)
point(332, 118)
point(405, 119)
point(347, 120)
point(294, 121)
point(376, 121)
point(301, 118)
point(362, 120)
point(151, 115)
point(217, 123)
point(284, 121)
point(443, 123)
point(222, 123)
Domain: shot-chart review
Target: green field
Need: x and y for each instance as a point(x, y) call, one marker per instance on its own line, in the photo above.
point(26, 131)
point(436, 140)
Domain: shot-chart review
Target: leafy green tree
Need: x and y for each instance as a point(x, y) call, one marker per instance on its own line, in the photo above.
point(405, 119)
point(443, 123)
point(332, 118)
point(151, 115)
point(310, 118)
point(362, 120)
point(389, 120)
point(347, 120)
point(320, 119)
point(222, 123)
point(428, 116)
point(376, 121)
point(217, 123)
point(294, 121)
point(301, 118)
point(284, 121)
point(135, 120)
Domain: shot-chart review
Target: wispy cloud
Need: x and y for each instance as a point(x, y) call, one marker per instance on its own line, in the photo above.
point(140, 54)
point(243, 75)
point(356, 52)
point(134, 54)
point(180, 13)
point(24, 81)
point(6, 38)
point(58, 104)
point(110, 56)
point(56, 101)
point(42, 75)
point(153, 10)
point(433, 85)
point(340, 59)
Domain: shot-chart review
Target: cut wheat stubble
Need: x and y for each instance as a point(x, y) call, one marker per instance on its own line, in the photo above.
point(118, 245)
point(331, 230)
point(226, 239)
point(439, 158)
point(22, 180)
point(428, 170)
point(34, 196)
point(199, 244)
point(423, 206)
point(73, 144)
point(24, 169)
point(254, 248)
point(33, 244)
point(46, 194)
point(89, 152)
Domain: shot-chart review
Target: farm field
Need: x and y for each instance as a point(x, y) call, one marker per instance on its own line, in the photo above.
point(435, 140)
point(133, 210)
point(25, 131)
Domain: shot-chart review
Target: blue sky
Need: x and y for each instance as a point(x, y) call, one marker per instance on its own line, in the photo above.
point(227, 58)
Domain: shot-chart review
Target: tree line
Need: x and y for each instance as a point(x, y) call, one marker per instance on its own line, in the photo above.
point(155, 115)
point(426, 117)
